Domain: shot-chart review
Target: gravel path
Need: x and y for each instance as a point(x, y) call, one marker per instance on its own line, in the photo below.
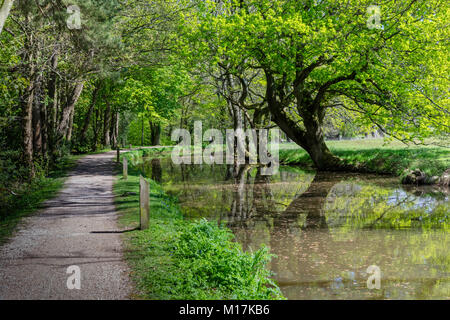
point(75, 228)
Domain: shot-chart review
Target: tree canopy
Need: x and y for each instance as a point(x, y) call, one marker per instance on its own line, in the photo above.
point(314, 69)
point(315, 56)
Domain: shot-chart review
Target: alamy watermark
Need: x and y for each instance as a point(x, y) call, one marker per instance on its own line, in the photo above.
point(241, 147)
point(374, 20)
point(74, 20)
point(74, 280)
point(374, 280)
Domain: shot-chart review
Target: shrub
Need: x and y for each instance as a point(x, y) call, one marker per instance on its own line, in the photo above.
point(211, 259)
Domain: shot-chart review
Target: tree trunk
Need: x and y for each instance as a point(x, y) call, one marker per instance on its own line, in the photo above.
point(107, 125)
point(115, 130)
point(117, 127)
point(310, 137)
point(312, 140)
point(96, 130)
point(67, 112)
point(316, 147)
point(27, 125)
point(36, 119)
point(27, 101)
point(155, 129)
point(44, 130)
point(70, 127)
point(87, 119)
point(52, 110)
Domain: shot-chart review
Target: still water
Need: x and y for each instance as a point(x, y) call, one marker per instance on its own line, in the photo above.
point(325, 229)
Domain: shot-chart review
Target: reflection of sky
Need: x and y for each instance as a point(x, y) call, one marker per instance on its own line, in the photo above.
point(320, 263)
point(398, 197)
point(425, 203)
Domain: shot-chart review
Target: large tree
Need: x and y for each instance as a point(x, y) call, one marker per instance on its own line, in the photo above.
point(319, 55)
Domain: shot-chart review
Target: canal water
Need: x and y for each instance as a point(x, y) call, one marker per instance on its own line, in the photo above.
point(325, 229)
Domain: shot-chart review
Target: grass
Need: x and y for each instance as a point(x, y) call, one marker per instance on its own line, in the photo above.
point(160, 152)
point(181, 259)
point(29, 197)
point(392, 158)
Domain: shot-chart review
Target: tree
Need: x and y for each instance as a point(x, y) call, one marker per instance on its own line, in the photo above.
point(152, 95)
point(53, 64)
point(319, 55)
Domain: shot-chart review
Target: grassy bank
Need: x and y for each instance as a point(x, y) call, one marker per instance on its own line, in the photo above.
point(392, 158)
point(376, 155)
point(160, 152)
point(22, 199)
point(180, 259)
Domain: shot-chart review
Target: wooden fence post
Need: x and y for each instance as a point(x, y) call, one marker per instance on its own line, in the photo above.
point(144, 202)
point(118, 154)
point(125, 168)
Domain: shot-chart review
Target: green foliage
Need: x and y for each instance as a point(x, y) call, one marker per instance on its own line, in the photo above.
point(321, 55)
point(349, 211)
point(212, 262)
point(19, 197)
point(149, 95)
point(134, 134)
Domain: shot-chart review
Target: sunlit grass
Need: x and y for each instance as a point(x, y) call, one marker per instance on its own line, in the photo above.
point(381, 157)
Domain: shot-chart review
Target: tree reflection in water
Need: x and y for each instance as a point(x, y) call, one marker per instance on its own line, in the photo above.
point(326, 228)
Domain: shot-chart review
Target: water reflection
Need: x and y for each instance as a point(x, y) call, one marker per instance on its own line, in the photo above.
point(325, 229)
point(156, 170)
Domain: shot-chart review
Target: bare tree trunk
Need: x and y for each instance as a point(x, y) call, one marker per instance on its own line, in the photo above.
point(87, 119)
point(311, 137)
point(27, 116)
point(44, 130)
point(106, 125)
point(96, 130)
point(36, 119)
point(112, 136)
point(155, 129)
point(115, 130)
point(67, 111)
point(27, 101)
point(70, 127)
point(52, 111)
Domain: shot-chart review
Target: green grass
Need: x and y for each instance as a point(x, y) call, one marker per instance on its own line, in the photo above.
point(29, 197)
point(181, 259)
point(392, 158)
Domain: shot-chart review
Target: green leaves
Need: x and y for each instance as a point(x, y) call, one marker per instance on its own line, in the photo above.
point(402, 69)
point(212, 260)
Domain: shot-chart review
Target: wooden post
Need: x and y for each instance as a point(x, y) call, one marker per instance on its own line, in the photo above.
point(118, 154)
point(125, 168)
point(131, 147)
point(144, 202)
